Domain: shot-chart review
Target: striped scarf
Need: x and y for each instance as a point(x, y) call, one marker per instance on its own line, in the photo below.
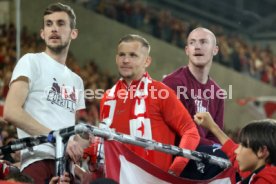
point(140, 125)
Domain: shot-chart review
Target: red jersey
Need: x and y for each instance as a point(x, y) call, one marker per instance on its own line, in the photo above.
point(168, 117)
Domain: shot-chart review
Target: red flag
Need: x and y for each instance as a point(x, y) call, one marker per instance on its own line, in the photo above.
point(126, 167)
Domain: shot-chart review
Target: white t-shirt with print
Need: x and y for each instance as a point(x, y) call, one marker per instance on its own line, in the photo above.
point(55, 94)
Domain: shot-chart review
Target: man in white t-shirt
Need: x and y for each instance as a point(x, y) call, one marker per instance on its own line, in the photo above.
point(45, 95)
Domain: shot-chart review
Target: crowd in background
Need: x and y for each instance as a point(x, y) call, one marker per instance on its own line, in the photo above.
point(235, 51)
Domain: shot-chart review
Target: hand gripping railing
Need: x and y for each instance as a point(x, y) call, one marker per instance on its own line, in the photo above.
point(60, 136)
point(153, 145)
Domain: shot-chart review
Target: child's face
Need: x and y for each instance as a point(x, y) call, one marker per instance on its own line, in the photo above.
point(247, 159)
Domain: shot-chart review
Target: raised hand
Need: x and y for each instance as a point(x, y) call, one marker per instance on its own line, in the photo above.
point(205, 120)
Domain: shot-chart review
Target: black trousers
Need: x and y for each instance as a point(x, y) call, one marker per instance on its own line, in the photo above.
point(203, 170)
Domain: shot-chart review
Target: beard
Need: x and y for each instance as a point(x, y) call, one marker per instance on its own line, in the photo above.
point(125, 75)
point(57, 49)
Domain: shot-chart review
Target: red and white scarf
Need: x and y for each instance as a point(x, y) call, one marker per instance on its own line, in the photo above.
point(139, 121)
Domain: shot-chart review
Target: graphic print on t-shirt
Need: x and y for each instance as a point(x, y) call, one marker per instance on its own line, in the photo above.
point(201, 104)
point(62, 95)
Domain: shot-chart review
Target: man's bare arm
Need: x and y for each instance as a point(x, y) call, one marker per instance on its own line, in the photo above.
point(14, 112)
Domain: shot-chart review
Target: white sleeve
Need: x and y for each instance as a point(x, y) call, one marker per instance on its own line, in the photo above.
point(81, 101)
point(25, 67)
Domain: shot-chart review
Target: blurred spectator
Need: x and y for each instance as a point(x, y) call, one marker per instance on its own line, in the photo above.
point(235, 52)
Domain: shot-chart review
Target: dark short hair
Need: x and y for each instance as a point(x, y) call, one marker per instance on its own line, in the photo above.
point(258, 134)
point(19, 177)
point(138, 38)
point(59, 7)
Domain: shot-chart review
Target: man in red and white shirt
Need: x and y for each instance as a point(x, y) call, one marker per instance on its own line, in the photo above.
point(140, 106)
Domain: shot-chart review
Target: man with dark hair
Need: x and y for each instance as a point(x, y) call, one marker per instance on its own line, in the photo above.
point(139, 106)
point(45, 95)
point(58, 7)
point(256, 151)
